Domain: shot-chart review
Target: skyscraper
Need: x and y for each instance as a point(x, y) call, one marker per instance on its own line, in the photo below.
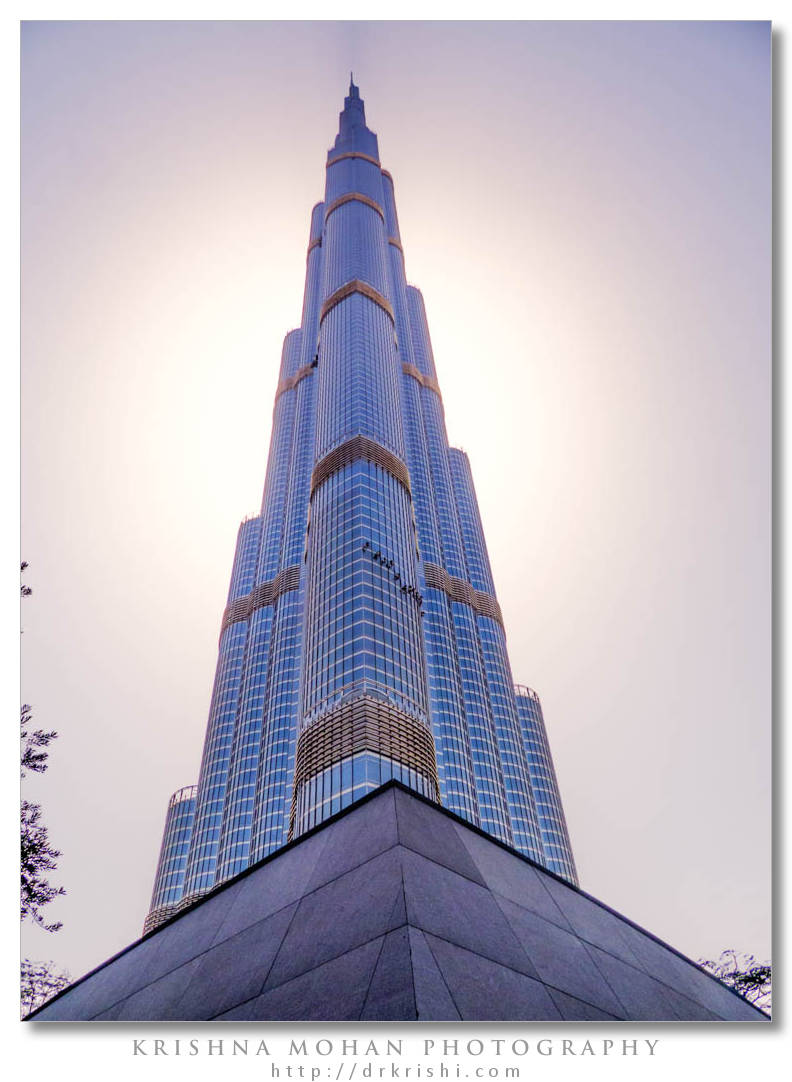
point(362, 639)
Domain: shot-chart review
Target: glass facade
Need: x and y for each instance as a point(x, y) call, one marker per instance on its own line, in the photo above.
point(362, 638)
point(169, 881)
point(552, 822)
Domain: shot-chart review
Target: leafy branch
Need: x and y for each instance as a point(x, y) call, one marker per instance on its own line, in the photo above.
point(40, 981)
point(38, 855)
point(751, 979)
point(31, 758)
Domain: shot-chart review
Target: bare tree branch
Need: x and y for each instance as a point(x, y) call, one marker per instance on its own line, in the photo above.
point(751, 979)
point(40, 981)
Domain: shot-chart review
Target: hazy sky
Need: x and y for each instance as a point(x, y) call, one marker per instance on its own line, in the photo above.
point(586, 208)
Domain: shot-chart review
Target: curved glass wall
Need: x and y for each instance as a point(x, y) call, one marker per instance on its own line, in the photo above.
point(552, 821)
point(169, 878)
point(362, 639)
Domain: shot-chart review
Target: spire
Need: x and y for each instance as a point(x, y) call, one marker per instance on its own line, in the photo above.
point(352, 131)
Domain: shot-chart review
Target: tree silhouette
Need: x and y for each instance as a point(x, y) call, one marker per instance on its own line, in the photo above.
point(31, 758)
point(751, 979)
point(40, 981)
point(38, 855)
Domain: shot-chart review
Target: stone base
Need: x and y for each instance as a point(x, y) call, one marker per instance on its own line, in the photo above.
point(396, 910)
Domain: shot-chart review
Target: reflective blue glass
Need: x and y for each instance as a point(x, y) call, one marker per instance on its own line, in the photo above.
point(552, 822)
point(169, 880)
point(362, 638)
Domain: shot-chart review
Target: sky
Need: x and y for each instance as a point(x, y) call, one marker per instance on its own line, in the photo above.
point(586, 209)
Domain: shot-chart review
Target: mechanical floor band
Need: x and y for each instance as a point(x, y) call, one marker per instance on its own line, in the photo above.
point(357, 286)
point(425, 381)
point(353, 450)
point(291, 382)
point(437, 578)
point(354, 197)
point(365, 724)
point(353, 154)
point(159, 916)
point(266, 593)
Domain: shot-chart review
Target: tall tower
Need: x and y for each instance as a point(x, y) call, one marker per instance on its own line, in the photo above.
point(362, 639)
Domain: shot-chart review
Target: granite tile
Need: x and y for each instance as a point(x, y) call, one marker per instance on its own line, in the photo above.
point(234, 970)
point(687, 1010)
point(485, 991)
point(687, 978)
point(433, 836)
point(485, 952)
point(157, 1002)
point(274, 885)
point(111, 1014)
point(69, 1007)
point(593, 922)
point(509, 875)
point(576, 1010)
point(560, 958)
point(457, 909)
point(333, 992)
point(108, 985)
point(358, 906)
point(735, 1009)
point(644, 999)
point(190, 934)
point(391, 995)
point(355, 839)
point(432, 999)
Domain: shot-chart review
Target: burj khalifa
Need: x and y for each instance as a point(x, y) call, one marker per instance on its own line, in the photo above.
point(362, 639)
